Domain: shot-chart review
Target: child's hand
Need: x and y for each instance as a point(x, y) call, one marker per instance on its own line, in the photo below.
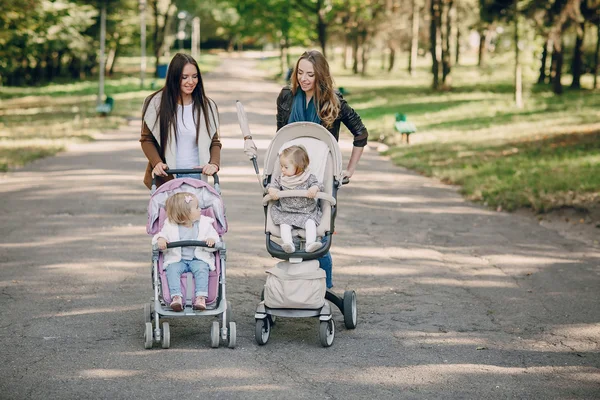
point(162, 243)
point(210, 242)
point(312, 192)
point(274, 193)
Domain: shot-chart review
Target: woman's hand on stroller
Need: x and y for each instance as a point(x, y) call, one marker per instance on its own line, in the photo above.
point(159, 169)
point(162, 243)
point(210, 242)
point(208, 169)
point(274, 193)
point(312, 192)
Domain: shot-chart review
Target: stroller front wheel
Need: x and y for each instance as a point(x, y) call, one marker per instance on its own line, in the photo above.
point(262, 331)
point(214, 335)
point(327, 332)
point(148, 336)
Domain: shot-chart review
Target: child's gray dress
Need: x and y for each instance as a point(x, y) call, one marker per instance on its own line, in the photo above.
point(295, 211)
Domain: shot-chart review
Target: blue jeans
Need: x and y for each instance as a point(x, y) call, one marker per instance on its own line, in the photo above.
point(326, 264)
point(197, 267)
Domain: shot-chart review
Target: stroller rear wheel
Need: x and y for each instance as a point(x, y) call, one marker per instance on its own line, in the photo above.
point(350, 311)
point(148, 312)
point(214, 335)
point(231, 335)
point(166, 336)
point(148, 337)
point(262, 331)
point(327, 332)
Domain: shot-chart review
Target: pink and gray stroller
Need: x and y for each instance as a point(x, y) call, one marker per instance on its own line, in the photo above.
point(209, 200)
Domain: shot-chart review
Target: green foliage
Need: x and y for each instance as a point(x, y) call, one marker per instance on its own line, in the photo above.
point(543, 156)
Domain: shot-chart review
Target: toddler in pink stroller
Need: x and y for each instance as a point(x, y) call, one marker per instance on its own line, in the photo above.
point(189, 299)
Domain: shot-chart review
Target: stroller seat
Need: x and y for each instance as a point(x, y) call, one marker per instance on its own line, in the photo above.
point(325, 163)
point(320, 166)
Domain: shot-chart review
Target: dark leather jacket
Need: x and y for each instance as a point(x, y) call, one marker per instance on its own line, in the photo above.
point(347, 115)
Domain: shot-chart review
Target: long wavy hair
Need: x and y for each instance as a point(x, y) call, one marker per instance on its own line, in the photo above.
point(326, 101)
point(171, 96)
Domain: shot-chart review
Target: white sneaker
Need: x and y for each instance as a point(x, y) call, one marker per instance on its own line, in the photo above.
point(314, 246)
point(288, 247)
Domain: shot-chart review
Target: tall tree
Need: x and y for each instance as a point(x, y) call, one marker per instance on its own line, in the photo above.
point(435, 22)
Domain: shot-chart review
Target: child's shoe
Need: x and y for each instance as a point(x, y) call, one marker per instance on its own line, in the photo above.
point(314, 246)
point(288, 247)
point(199, 303)
point(177, 304)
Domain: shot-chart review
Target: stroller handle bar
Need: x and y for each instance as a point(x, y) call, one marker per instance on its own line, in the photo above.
point(300, 193)
point(186, 172)
point(196, 243)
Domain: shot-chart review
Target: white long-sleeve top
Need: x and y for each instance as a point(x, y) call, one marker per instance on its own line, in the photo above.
point(170, 232)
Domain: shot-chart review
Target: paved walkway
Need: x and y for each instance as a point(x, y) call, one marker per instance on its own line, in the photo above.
point(455, 301)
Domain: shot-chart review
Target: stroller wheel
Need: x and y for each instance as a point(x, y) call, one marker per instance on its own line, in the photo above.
point(229, 315)
point(231, 333)
point(262, 331)
point(166, 336)
point(148, 311)
point(350, 311)
point(148, 337)
point(214, 335)
point(327, 332)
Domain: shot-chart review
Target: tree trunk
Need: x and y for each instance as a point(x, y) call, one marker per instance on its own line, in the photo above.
point(355, 54)
point(457, 48)
point(481, 53)
point(596, 55)
point(446, 31)
point(321, 26)
point(364, 54)
point(557, 62)
point(345, 52)
point(414, 42)
point(577, 63)
point(392, 58)
point(543, 76)
point(433, 31)
point(518, 74)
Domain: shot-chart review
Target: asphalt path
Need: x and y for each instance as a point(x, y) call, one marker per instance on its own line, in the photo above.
point(455, 301)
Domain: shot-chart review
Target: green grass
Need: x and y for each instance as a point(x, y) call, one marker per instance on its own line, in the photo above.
point(37, 122)
point(543, 156)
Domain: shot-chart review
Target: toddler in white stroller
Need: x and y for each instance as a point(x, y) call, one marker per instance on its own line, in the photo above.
point(296, 286)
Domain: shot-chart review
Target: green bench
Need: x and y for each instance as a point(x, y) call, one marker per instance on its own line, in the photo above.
point(106, 107)
point(404, 127)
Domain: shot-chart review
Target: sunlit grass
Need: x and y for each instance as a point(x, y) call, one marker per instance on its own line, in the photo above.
point(37, 122)
point(545, 155)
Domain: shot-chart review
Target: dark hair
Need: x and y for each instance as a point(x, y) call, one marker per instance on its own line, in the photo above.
point(171, 96)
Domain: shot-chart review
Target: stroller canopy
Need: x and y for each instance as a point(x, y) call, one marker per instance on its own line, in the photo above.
point(305, 133)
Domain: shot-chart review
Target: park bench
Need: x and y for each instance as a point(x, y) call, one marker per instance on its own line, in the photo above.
point(404, 127)
point(106, 107)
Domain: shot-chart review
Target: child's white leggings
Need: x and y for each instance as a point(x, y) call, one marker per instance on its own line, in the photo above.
point(310, 228)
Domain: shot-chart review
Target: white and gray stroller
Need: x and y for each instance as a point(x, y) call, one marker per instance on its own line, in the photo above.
point(296, 286)
point(211, 204)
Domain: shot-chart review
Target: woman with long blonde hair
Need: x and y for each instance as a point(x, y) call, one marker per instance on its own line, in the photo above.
point(311, 97)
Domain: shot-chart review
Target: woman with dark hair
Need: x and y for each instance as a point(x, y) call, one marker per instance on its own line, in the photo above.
point(311, 97)
point(180, 128)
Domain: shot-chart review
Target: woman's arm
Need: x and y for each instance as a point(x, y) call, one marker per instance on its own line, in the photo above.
point(150, 146)
point(352, 120)
point(353, 162)
point(215, 151)
point(150, 149)
point(283, 111)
